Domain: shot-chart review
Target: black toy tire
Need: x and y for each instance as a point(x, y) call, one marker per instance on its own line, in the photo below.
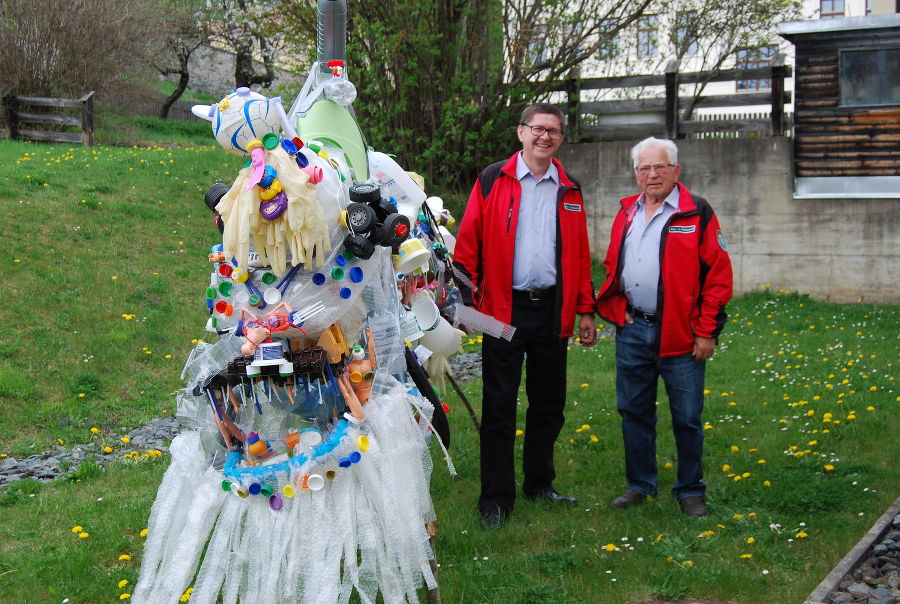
point(365, 193)
point(360, 246)
point(388, 236)
point(360, 218)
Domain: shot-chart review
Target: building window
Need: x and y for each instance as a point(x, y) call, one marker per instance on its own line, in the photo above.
point(686, 33)
point(831, 9)
point(749, 58)
point(870, 77)
point(647, 36)
point(609, 48)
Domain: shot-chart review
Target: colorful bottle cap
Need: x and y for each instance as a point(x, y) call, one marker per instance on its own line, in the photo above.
point(272, 295)
point(310, 437)
point(226, 486)
point(345, 462)
point(253, 300)
point(315, 482)
point(356, 274)
point(271, 191)
point(270, 140)
point(255, 488)
point(211, 293)
point(362, 442)
point(225, 269)
point(225, 288)
point(268, 278)
point(337, 273)
point(266, 490)
point(242, 297)
point(319, 279)
point(289, 147)
point(301, 160)
point(297, 142)
point(340, 260)
point(349, 255)
point(221, 305)
point(275, 502)
point(239, 276)
point(330, 474)
point(241, 492)
point(355, 457)
point(314, 147)
point(269, 174)
point(288, 491)
point(345, 293)
point(229, 310)
point(254, 144)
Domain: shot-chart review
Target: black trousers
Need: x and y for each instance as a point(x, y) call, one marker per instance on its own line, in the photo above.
point(537, 340)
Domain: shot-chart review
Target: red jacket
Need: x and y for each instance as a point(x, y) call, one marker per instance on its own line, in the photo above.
point(485, 245)
point(695, 280)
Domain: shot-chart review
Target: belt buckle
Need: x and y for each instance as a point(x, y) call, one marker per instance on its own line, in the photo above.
point(531, 295)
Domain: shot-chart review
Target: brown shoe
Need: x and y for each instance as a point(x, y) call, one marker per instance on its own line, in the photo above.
point(628, 498)
point(693, 506)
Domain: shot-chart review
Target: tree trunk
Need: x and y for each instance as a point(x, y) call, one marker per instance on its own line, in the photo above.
point(183, 78)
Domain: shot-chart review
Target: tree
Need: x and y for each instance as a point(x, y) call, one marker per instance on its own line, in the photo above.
point(246, 27)
point(186, 30)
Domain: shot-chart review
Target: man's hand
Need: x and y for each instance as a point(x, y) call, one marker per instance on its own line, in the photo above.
point(587, 330)
point(703, 348)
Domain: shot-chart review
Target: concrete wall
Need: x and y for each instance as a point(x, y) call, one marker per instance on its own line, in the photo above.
point(832, 249)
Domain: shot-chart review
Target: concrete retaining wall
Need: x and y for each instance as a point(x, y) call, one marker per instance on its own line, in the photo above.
point(832, 249)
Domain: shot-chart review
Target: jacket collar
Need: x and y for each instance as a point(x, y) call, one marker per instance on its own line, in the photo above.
point(685, 200)
point(510, 170)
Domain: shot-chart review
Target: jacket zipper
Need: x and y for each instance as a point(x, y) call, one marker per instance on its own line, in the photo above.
point(509, 215)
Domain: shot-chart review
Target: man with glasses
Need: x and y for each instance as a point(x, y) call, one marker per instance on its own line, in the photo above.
point(668, 279)
point(523, 243)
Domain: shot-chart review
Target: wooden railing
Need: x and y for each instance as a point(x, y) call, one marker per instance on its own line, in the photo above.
point(15, 116)
point(664, 114)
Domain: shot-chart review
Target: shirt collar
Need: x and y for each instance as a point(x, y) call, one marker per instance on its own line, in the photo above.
point(671, 199)
point(522, 170)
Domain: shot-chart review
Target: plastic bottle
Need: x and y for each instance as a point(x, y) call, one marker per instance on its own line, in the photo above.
point(394, 181)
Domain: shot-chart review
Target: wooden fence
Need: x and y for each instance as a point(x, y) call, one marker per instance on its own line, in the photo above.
point(664, 115)
point(50, 122)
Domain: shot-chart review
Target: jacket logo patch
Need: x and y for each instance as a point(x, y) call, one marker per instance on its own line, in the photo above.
point(683, 229)
point(572, 207)
point(720, 237)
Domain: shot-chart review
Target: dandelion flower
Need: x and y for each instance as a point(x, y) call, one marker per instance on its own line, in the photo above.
point(609, 547)
point(746, 556)
point(726, 467)
point(83, 535)
point(77, 529)
point(125, 557)
point(735, 448)
point(761, 461)
point(144, 532)
point(125, 439)
point(688, 563)
point(751, 540)
point(123, 583)
point(828, 467)
point(519, 432)
point(767, 483)
point(801, 535)
point(107, 449)
point(124, 596)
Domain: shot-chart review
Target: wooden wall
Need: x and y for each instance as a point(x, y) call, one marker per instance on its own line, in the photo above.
point(830, 140)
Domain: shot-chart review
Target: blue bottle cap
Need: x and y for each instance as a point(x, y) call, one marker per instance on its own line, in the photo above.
point(255, 488)
point(345, 462)
point(319, 279)
point(345, 293)
point(340, 260)
point(302, 161)
point(356, 274)
point(289, 147)
point(355, 457)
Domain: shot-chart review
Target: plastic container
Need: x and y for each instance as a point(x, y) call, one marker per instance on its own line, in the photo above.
point(394, 181)
point(413, 254)
point(426, 312)
point(443, 340)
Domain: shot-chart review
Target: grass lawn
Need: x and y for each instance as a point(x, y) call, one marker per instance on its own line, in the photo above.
point(104, 288)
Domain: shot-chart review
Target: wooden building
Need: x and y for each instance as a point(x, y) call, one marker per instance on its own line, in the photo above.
point(846, 106)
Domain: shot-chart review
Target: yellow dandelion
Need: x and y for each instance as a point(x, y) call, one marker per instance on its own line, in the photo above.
point(125, 439)
point(125, 557)
point(144, 532)
point(83, 535)
point(609, 547)
point(107, 449)
point(737, 516)
point(122, 583)
point(735, 448)
point(594, 439)
point(761, 461)
point(746, 556)
point(659, 537)
point(726, 467)
point(751, 540)
point(124, 596)
point(688, 563)
point(81, 395)
point(519, 432)
point(828, 467)
point(767, 483)
point(585, 385)
point(77, 529)
point(668, 465)
point(871, 408)
point(95, 430)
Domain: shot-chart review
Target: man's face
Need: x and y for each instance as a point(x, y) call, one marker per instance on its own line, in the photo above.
point(540, 148)
point(659, 180)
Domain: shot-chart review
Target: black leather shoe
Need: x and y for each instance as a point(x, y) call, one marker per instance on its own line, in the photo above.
point(628, 499)
point(693, 506)
point(552, 496)
point(493, 519)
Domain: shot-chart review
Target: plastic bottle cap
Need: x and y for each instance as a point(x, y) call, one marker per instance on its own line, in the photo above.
point(270, 140)
point(345, 293)
point(255, 488)
point(345, 462)
point(319, 279)
point(330, 474)
point(363, 442)
point(239, 276)
point(225, 288)
point(314, 147)
point(229, 310)
point(225, 269)
point(315, 482)
point(241, 492)
point(242, 297)
point(289, 147)
point(337, 273)
point(349, 255)
point(272, 295)
point(301, 160)
point(288, 491)
point(266, 490)
point(211, 293)
point(275, 502)
point(356, 274)
point(254, 300)
point(340, 260)
point(226, 486)
point(297, 142)
point(355, 457)
point(221, 306)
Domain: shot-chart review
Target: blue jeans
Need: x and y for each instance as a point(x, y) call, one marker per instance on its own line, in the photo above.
point(638, 368)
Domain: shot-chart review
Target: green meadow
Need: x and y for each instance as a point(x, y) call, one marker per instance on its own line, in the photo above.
point(103, 278)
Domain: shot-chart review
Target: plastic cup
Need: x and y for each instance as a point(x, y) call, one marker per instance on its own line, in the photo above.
point(272, 295)
point(412, 255)
point(426, 311)
point(443, 340)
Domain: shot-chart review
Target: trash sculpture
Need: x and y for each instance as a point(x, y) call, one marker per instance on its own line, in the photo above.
point(302, 473)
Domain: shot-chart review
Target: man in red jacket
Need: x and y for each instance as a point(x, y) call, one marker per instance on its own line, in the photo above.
point(667, 282)
point(523, 244)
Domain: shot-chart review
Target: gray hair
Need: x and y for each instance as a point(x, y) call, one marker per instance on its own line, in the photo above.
point(669, 147)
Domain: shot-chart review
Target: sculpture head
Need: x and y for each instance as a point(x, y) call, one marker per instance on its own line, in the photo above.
point(241, 117)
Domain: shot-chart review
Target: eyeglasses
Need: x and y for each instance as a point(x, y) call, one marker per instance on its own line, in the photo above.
point(660, 168)
point(539, 131)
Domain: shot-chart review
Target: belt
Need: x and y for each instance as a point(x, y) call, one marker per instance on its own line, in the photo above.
point(646, 316)
point(535, 294)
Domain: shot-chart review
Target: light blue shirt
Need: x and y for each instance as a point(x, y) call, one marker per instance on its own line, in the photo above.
point(534, 264)
point(640, 273)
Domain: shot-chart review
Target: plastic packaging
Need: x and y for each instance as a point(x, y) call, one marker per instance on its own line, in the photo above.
point(465, 315)
point(395, 182)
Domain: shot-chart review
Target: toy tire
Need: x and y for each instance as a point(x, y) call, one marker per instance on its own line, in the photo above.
point(383, 208)
point(214, 194)
point(365, 193)
point(360, 218)
point(360, 246)
point(388, 236)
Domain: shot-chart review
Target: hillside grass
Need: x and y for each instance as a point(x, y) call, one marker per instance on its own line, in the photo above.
point(104, 288)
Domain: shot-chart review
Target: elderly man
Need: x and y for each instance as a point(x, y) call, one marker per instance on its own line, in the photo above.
point(523, 242)
point(667, 283)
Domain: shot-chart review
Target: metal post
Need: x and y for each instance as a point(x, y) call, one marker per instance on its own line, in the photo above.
point(672, 99)
point(778, 73)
